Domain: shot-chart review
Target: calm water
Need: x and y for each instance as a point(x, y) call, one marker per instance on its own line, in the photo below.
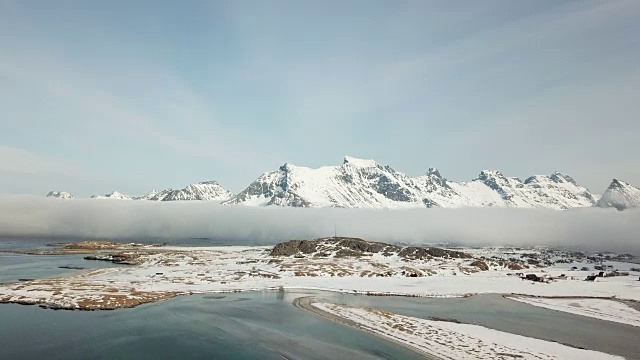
point(493, 311)
point(18, 266)
point(260, 325)
point(239, 326)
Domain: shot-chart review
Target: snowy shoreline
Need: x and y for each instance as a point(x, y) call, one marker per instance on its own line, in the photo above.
point(446, 340)
point(159, 273)
point(608, 309)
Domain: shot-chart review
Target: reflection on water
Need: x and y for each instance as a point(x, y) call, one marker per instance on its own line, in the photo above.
point(264, 325)
point(260, 325)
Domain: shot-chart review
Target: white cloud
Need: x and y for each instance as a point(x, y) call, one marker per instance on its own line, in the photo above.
point(592, 228)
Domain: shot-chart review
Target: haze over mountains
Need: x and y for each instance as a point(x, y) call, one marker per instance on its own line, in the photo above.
point(620, 195)
point(359, 183)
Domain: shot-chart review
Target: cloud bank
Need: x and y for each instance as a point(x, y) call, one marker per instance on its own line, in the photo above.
point(587, 229)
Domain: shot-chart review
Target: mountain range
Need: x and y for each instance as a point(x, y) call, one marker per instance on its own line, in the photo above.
point(359, 183)
point(206, 190)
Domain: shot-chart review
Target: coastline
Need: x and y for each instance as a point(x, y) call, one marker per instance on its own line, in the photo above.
point(305, 303)
point(442, 338)
point(154, 273)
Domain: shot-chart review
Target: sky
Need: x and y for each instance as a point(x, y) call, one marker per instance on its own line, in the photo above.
point(99, 96)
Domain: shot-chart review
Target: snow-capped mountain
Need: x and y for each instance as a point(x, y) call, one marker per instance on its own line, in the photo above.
point(620, 195)
point(60, 195)
point(112, 195)
point(206, 190)
point(361, 183)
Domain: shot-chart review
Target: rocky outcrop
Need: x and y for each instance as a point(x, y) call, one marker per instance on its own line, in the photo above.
point(419, 253)
point(294, 247)
point(341, 247)
point(480, 265)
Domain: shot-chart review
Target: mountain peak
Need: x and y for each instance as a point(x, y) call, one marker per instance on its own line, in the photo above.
point(113, 195)
point(209, 182)
point(60, 195)
point(620, 195)
point(615, 183)
point(486, 174)
point(434, 172)
point(359, 162)
point(560, 177)
point(286, 167)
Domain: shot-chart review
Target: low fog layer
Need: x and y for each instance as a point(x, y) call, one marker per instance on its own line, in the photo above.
point(588, 229)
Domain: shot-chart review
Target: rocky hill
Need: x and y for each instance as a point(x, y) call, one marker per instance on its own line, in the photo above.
point(340, 247)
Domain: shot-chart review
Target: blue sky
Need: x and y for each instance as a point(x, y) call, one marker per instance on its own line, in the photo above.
point(135, 95)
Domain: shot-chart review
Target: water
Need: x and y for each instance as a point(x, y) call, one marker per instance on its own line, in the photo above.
point(259, 325)
point(18, 266)
point(495, 312)
point(12, 243)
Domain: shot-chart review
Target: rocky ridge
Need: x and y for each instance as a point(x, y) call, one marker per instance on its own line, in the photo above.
point(361, 183)
point(202, 191)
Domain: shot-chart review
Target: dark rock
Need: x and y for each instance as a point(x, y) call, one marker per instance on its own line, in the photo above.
point(114, 258)
point(355, 247)
point(480, 265)
point(419, 253)
point(294, 247)
point(348, 253)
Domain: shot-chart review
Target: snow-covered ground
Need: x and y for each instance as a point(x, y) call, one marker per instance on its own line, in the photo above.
point(448, 340)
point(171, 271)
point(603, 309)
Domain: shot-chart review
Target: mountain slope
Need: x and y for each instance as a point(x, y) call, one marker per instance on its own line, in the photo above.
point(206, 190)
point(620, 195)
point(113, 195)
point(60, 195)
point(359, 183)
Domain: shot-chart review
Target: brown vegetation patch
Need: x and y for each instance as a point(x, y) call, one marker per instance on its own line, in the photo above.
point(480, 265)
